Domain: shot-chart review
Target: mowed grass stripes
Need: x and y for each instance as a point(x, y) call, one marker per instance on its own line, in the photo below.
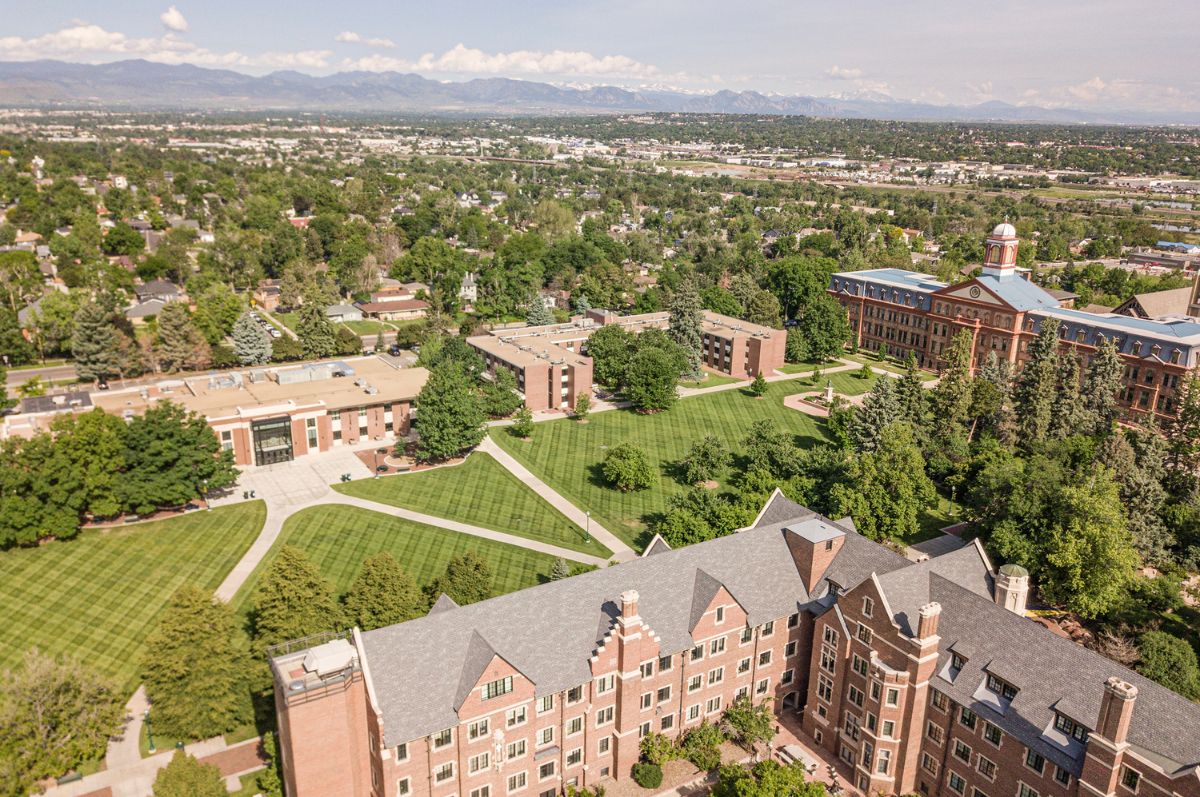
point(338, 538)
point(98, 596)
point(480, 492)
point(568, 455)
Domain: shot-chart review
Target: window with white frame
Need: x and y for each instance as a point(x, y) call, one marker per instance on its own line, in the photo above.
point(516, 716)
point(647, 700)
point(546, 770)
point(695, 683)
point(444, 772)
point(443, 738)
point(515, 749)
point(477, 730)
point(498, 687)
point(663, 694)
point(716, 676)
point(605, 683)
point(482, 791)
point(574, 726)
point(516, 781)
point(545, 736)
point(720, 615)
point(744, 666)
point(716, 646)
point(868, 607)
point(647, 668)
point(575, 757)
point(693, 712)
point(478, 763)
point(404, 787)
point(604, 745)
point(604, 716)
point(713, 705)
point(545, 704)
point(763, 686)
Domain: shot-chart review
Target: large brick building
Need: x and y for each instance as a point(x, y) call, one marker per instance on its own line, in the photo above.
point(919, 677)
point(1004, 311)
point(552, 367)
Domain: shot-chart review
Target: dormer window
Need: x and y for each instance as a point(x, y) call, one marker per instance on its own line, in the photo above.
point(1001, 687)
point(1070, 727)
point(957, 662)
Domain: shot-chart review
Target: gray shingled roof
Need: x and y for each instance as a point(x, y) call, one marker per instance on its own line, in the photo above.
point(1051, 672)
point(907, 588)
point(417, 667)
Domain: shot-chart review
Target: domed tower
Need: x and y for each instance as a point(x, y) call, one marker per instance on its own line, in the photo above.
point(1000, 253)
point(1012, 588)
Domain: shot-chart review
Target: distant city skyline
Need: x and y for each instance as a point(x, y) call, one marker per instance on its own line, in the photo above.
point(1087, 54)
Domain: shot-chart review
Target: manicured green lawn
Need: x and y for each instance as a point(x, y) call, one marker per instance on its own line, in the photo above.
point(480, 492)
point(568, 454)
point(368, 326)
point(799, 368)
point(888, 365)
point(338, 538)
point(710, 379)
point(98, 596)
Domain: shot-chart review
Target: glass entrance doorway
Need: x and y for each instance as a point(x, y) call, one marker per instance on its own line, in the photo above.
point(272, 441)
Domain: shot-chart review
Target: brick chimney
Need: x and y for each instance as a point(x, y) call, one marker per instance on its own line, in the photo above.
point(629, 605)
point(1116, 710)
point(814, 544)
point(927, 620)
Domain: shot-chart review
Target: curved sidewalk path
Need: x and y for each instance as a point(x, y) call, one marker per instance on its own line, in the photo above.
point(621, 551)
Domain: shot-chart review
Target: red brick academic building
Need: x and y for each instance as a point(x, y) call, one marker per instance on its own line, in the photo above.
point(923, 678)
point(1004, 311)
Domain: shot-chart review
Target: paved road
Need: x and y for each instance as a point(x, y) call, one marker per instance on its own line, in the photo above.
point(49, 373)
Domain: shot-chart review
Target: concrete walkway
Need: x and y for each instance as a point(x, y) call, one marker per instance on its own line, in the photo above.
point(136, 779)
point(621, 551)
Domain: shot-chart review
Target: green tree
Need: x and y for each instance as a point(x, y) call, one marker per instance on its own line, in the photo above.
point(171, 457)
point(627, 467)
point(217, 310)
point(269, 781)
point(795, 348)
point(93, 444)
point(952, 396)
point(1069, 413)
point(758, 385)
point(684, 325)
point(523, 423)
point(651, 380)
point(747, 723)
point(879, 409)
point(500, 397)
point(1090, 560)
point(197, 673)
point(251, 343)
point(468, 579)
point(707, 459)
point(184, 776)
point(122, 239)
point(825, 329)
point(560, 570)
point(316, 332)
point(20, 279)
point(886, 489)
point(54, 715)
point(1183, 434)
point(1101, 386)
point(1170, 661)
point(912, 396)
point(181, 346)
point(538, 314)
point(6, 403)
point(382, 594)
point(450, 417)
point(94, 344)
point(583, 405)
point(293, 600)
point(1037, 384)
point(611, 348)
point(767, 778)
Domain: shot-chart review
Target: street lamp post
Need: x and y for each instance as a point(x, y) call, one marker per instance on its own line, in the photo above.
point(149, 730)
point(587, 531)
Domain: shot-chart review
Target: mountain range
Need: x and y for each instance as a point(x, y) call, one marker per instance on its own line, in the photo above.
point(146, 85)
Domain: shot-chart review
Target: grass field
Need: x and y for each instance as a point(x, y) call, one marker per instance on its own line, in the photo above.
point(338, 538)
point(800, 368)
point(893, 367)
point(480, 492)
point(567, 454)
point(710, 379)
point(98, 596)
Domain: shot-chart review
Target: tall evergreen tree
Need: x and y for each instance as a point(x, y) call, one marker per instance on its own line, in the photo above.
point(879, 409)
point(1037, 385)
point(1136, 460)
point(1101, 387)
point(1183, 436)
point(450, 415)
point(684, 324)
point(251, 343)
point(94, 344)
point(383, 594)
point(185, 776)
point(582, 305)
point(197, 674)
point(560, 570)
point(996, 414)
point(1069, 415)
point(180, 344)
point(318, 337)
point(293, 600)
point(912, 396)
point(6, 403)
point(539, 314)
point(952, 396)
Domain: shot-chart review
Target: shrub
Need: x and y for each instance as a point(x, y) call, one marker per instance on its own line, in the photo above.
point(759, 386)
point(583, 405)
point(702, 746)
point(647, 775)
point(864, 372)
point(628, 468)
point(658, 749)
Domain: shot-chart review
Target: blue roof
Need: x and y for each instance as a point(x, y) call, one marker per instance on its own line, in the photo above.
point(1167, 329)
point(910, 279)
point(1018, 292)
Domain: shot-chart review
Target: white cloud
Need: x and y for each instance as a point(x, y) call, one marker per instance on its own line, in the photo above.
point(1097, 92)
point(174, 20)
point(86, 42)
point(461, 59)
point(350, 37)
point(843, 73)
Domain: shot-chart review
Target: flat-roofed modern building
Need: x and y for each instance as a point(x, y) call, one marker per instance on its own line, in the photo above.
point(268, 415)
point(552, 367)
point(919, 677)
point(1004, 311)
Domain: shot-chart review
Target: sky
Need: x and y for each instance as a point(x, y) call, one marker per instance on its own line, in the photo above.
point(1089, 54)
